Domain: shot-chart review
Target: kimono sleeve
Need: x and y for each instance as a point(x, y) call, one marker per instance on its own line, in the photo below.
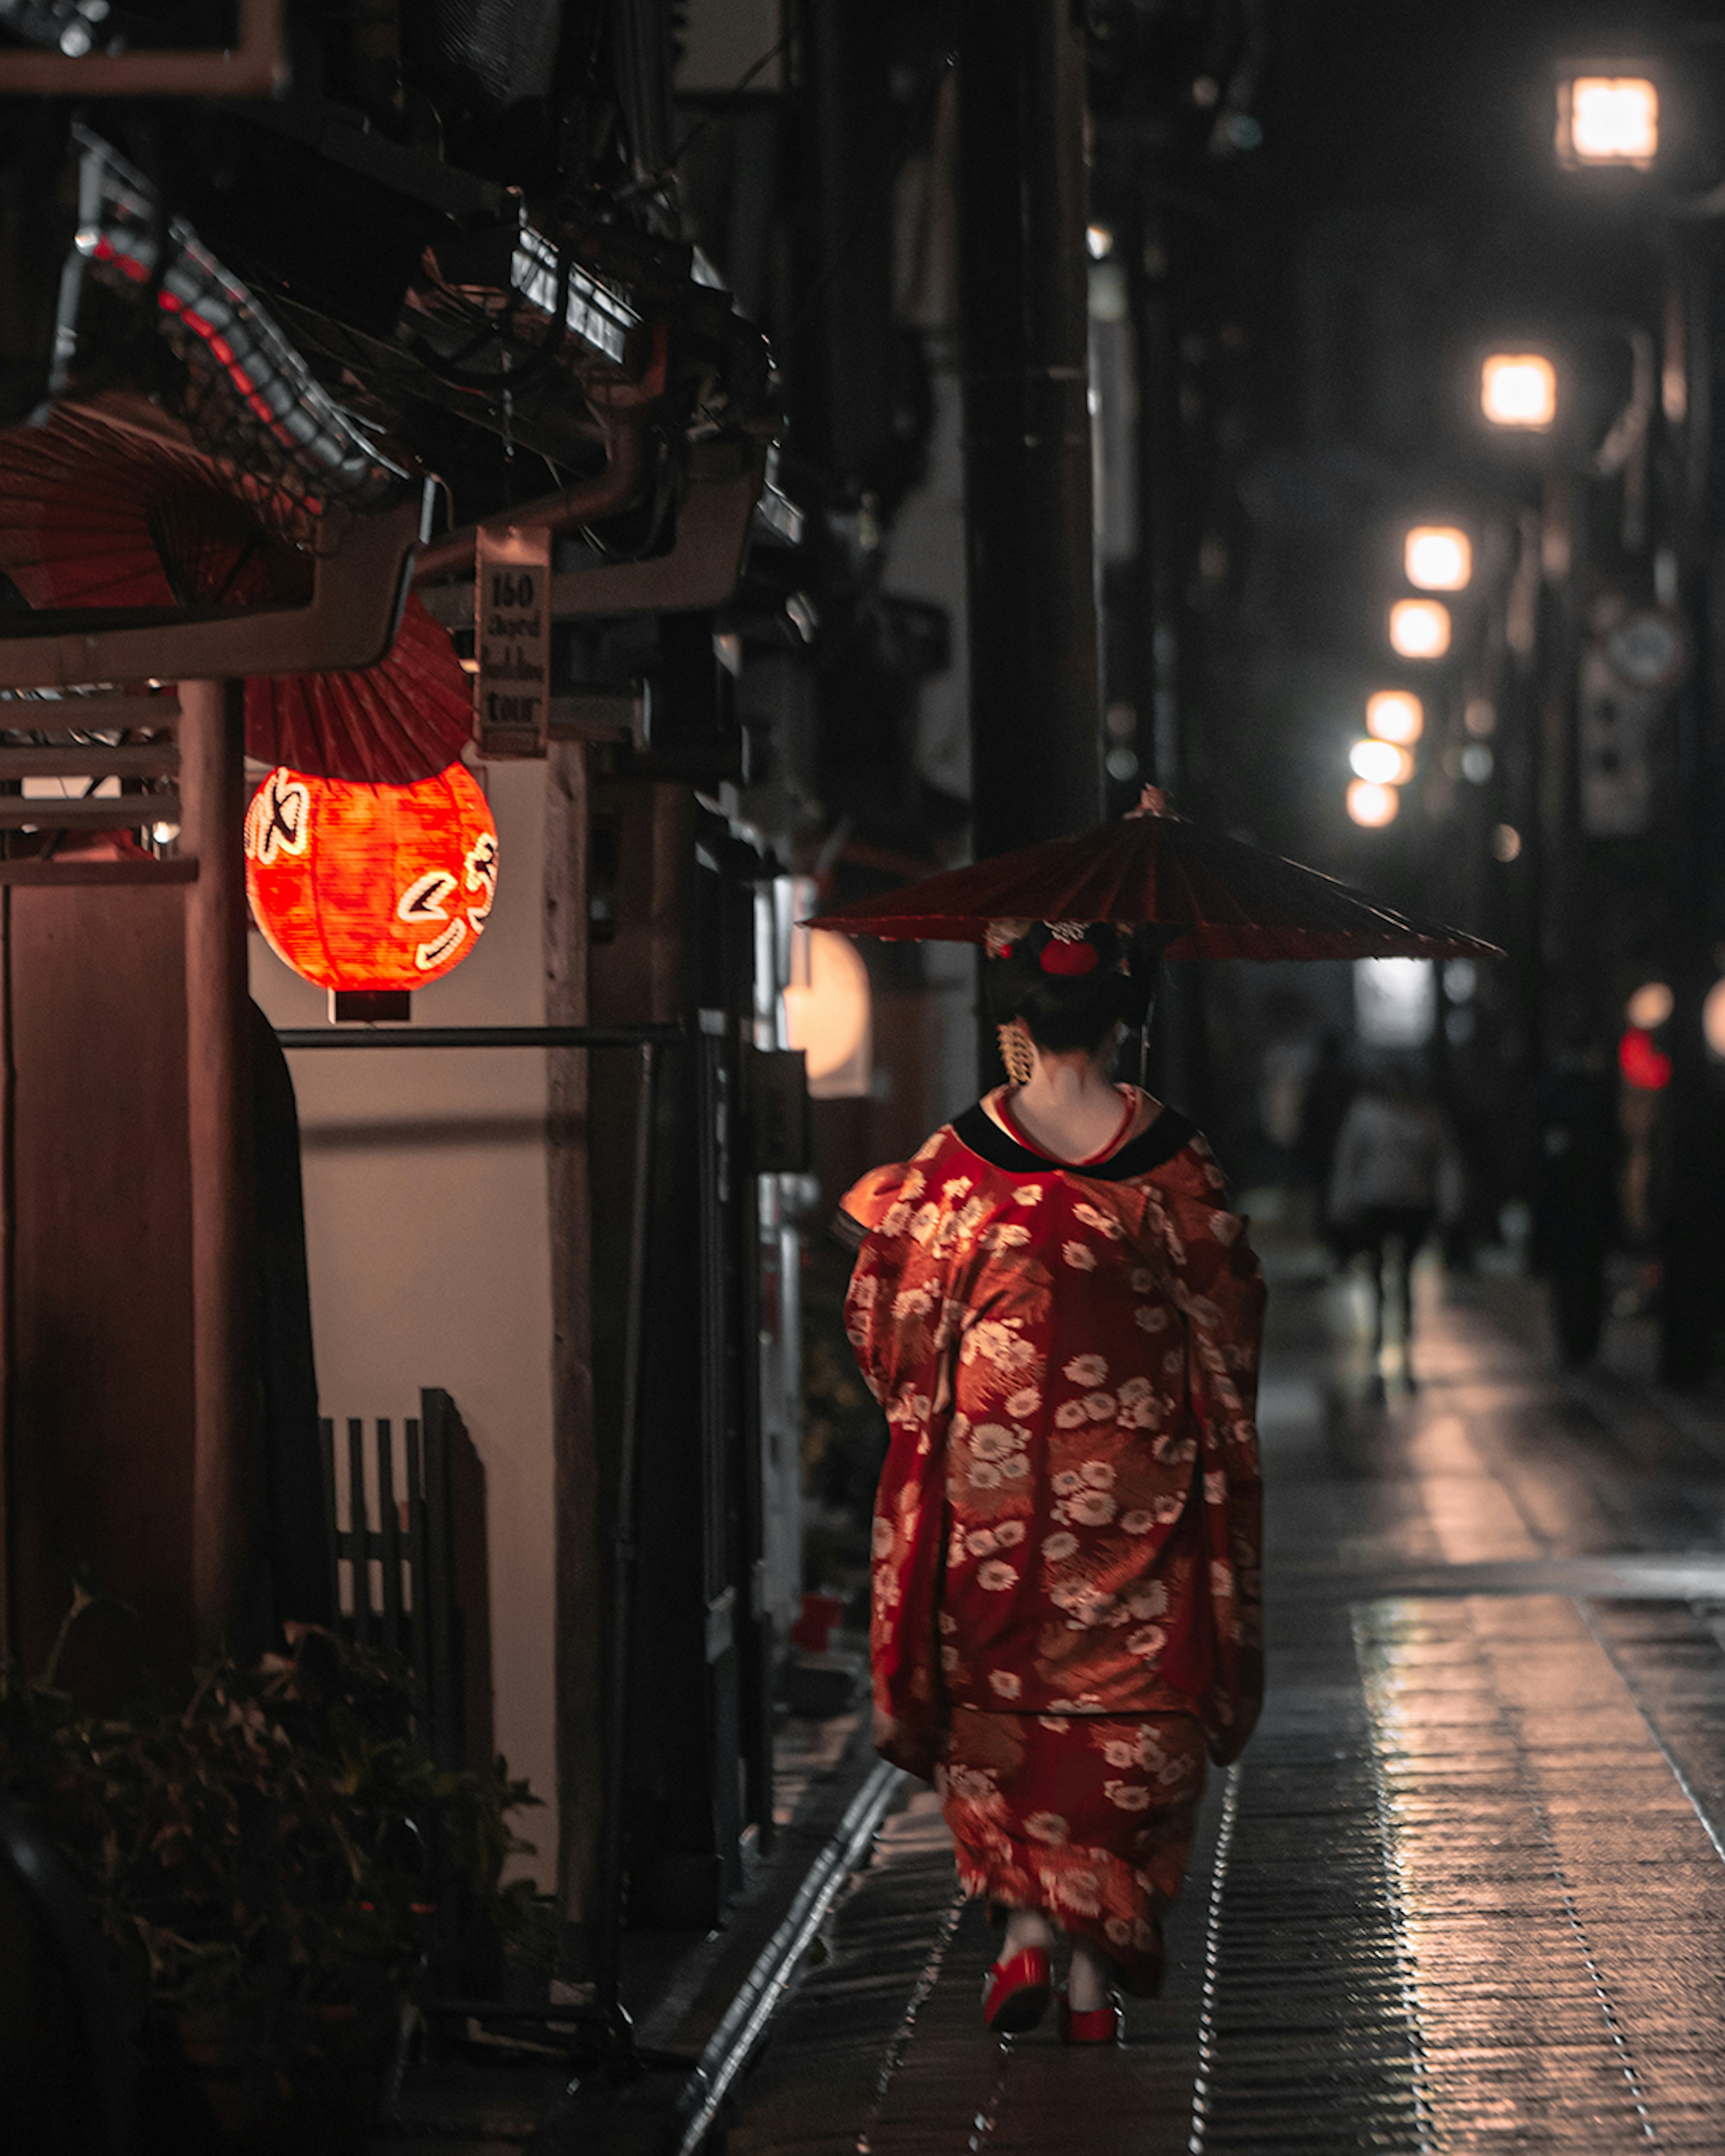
point(1221, 1291)
point(895, 1317)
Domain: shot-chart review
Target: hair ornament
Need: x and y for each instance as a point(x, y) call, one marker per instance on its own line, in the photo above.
point(1001, 936)
point(1069, 959)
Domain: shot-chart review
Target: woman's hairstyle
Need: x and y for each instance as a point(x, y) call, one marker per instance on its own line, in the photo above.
point(1071, 983)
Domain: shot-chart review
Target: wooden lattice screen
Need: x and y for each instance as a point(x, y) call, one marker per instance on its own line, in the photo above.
point(409, 1569)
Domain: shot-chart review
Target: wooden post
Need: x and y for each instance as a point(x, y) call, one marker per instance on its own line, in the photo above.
point(219, 1102)
point(580, 1557)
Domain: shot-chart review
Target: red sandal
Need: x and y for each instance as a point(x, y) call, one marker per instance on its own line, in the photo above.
point(1106, 2024)
point(1016, 1992)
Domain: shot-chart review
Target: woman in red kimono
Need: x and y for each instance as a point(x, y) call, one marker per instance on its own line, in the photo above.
point(1061, 1321)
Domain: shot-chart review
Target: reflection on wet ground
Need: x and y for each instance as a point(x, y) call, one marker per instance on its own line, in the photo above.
point(1464, 1891)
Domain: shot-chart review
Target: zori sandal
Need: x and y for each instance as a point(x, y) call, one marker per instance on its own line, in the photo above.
point(1016, 1992)
point(1106, 2024)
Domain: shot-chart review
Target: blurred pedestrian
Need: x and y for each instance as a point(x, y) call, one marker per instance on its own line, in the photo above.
point(1062, 1323)
point(1330, 1088)
point(1396, 1172)
point(1575, 1211)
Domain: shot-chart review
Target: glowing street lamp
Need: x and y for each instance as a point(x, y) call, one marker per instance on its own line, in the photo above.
point(1712, 1018)
point(1519, 389)
point(1608, 119)
point(1372, 806)
point(1380, 763)
point(1438, 558)
point(1393, 715)
point(1420, 628)
point(1650, 1005)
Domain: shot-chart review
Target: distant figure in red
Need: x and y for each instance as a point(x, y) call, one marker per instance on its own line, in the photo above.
point(1062, 1320)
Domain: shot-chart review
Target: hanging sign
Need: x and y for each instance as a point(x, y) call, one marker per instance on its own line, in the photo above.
point(511, 710)
point(1617, 733)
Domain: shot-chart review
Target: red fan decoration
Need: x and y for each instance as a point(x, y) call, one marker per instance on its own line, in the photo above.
point(98, 516)
point(1217, 896)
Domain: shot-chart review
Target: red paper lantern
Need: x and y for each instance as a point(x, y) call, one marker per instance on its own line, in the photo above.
point(371, 886)
point(1643, 1062)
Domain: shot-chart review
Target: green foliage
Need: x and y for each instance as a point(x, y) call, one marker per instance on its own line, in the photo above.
point(266, 1848)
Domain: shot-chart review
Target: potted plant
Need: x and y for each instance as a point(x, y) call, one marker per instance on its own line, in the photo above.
point(274, 1864)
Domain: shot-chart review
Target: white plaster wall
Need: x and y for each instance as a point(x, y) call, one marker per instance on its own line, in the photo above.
point(426, 1231)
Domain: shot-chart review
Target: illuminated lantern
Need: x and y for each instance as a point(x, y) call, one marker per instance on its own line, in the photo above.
point(1519, 389)
point(1394, 715)
point(1381, 763)
point(1608, 119)
point(1438, 558)
point(828, 1013)
point(371, 887)
point(1650, 1005)
point(1371, 805)
point(1643, 1063)
point(1420, 628)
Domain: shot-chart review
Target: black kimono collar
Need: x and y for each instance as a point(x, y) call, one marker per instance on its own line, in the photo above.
point(1169, 1134)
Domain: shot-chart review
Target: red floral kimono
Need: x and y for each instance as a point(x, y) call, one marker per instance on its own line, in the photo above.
point(1066, 1534)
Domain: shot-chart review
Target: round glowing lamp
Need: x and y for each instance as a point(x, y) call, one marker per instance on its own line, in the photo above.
point(1649, 1006)
point(1608, 119)
point(1438, 558)
point(1712, 1018)
point(1506, 842)
point(1519, 389)
point(1380, 763)
point(1373, 805)
point(828, 1013)
point(1393, 715)
point(1420, 628)
point(371, 887)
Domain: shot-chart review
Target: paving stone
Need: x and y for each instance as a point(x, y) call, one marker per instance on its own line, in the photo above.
point(1465, 1890)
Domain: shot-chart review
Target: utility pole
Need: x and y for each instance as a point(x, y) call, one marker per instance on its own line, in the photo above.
point(1023, 297)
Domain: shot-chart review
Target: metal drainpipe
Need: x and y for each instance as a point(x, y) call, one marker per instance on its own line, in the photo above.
point(1023, 299)
point(608, 494)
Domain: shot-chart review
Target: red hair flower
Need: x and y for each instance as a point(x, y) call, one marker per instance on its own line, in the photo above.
point(1071, 959)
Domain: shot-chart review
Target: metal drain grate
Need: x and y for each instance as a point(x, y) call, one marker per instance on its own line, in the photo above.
point(1306, 2041)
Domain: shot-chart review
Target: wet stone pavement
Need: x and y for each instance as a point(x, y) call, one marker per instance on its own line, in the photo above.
point(1465, 1889)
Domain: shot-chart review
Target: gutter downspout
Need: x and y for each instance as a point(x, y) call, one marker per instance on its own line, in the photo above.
point(608, 494)
point(623, 409)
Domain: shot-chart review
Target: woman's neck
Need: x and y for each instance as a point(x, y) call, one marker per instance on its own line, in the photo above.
point(1069, 1106)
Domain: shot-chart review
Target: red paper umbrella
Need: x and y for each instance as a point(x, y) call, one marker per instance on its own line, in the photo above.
point(97, 517)
point(1219, 897)
point(102, 517)
point(405, 719)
